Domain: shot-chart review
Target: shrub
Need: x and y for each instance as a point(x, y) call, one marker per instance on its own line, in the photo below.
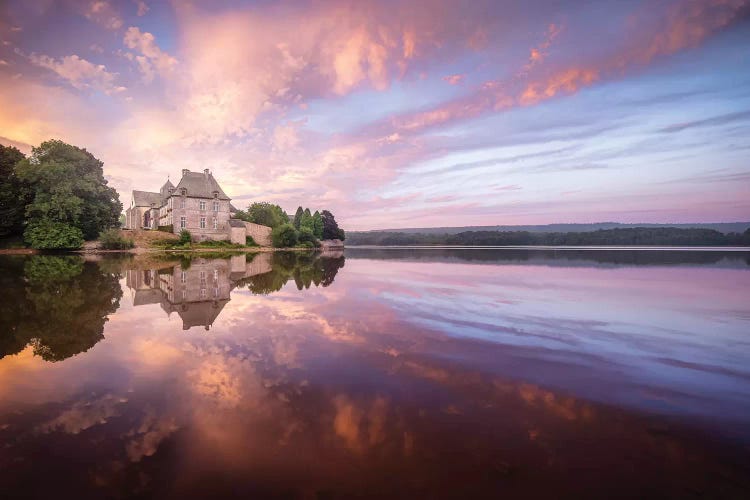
point(112, 240)
point(284, 236)
point(185, 237)
point(48, 235)
point(250, 242)
point(166, 229)
point(306, 236)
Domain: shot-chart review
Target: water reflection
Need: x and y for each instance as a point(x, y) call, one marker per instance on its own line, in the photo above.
point(403, 378)
point(58, 305)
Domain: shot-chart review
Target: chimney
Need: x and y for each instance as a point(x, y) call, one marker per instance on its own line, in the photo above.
point(185, 172)
point(206, 171)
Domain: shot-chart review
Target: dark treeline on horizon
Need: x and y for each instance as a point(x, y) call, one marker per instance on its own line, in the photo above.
point(669, 236)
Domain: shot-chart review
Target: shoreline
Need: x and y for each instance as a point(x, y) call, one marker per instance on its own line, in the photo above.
point(145, 251)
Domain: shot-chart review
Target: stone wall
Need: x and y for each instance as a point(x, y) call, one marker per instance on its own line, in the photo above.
point(261, 234)
point(237, 235)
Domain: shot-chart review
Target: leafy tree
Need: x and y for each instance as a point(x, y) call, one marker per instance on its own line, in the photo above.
point(266, 214)
point(284, 236)
point(14, 193)
point(317, 225)
point(330, 227)
point(68, 188)
point(298, 217)
point(46, 234)
point(306, 220)
point(306, 235)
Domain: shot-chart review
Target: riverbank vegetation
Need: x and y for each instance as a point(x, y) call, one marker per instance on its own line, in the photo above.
point(56, 198)
point(644, 236)
point(306, 229)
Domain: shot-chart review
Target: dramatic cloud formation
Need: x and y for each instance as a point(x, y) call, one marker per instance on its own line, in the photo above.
point(375, 109)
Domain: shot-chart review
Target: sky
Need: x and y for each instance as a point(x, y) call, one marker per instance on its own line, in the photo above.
point(399, 114)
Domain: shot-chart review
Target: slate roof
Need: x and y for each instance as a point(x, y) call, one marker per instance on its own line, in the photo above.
point(200, 185)
point(236, 223)
point(145, 199)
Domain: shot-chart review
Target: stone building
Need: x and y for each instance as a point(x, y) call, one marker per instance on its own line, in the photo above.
point(197, 204)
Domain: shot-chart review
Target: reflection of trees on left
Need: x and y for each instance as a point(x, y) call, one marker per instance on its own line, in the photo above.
point(57, 304)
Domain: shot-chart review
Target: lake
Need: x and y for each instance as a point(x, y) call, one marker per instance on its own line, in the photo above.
point(471, 373)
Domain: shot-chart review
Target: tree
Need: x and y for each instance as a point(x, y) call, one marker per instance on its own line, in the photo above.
point(284, 236)
point(306, 220)
point(266, 214)
point(317, 225)
point(298, 217)
point(306, 235)
point(14, 193)
point(68, 189)
point(330, 227)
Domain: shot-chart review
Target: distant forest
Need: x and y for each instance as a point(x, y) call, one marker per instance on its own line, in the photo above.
point(668, 236)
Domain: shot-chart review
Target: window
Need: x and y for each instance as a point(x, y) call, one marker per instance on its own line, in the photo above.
point(203, 293)
point(183, 277)
point(183, 222)
point(203, 205)
point(182, 202)
point(184, 294)
point(216, 275)
point(216, 223)
point(216, 206)
point(216, 292)
point(203, 223)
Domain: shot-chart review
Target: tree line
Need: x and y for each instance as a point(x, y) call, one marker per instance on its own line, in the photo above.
point(304, 229)
point(646, 236)
point(56, 198)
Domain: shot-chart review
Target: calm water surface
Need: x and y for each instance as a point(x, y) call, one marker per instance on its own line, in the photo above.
point(381, 373)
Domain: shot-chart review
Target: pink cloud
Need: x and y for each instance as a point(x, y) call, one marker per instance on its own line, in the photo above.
point(454, 79)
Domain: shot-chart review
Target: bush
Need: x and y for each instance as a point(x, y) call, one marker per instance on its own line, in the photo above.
point(284, 236)
point(306, 236)
point(47, 235)
point(112, 240)
point(166, 229)
point(185, 237)
point(250, 242)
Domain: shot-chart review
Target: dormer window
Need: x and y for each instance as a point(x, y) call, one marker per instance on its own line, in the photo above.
point(183, 191)
point(216, 194)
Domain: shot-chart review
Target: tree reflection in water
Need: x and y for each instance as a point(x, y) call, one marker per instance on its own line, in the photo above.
point(57, 304)
point(198, 288)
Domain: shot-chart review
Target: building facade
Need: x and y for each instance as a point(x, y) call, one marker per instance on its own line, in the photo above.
point(197, 203)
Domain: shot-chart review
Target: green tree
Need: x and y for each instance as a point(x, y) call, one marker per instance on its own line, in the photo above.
point(306, 235)
point(266, 214)
point(68, 189)
point(284, 236)
point(330, 227)
point(306, 220)
point(318, 225)
point(298, 217)
point(14, 193)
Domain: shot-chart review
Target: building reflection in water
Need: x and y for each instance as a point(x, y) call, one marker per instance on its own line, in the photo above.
point(197, 290)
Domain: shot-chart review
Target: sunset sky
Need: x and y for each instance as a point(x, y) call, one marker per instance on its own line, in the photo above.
point(399, 114)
